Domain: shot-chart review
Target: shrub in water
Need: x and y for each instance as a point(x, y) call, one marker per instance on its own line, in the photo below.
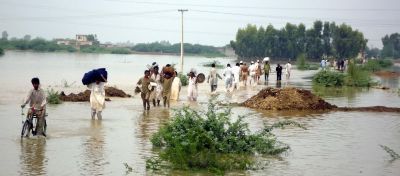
point(53, 97)
point(209, 140)
point(184, 79)
point(377, 64)
point(329, 78)
point(357, 77)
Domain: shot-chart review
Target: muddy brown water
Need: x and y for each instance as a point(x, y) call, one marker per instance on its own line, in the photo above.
point(336, 143)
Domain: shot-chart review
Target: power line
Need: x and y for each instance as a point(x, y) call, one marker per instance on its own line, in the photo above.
point(109, 15)
point(258, 7)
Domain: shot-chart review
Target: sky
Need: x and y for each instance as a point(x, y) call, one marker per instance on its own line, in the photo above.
point(208, 22)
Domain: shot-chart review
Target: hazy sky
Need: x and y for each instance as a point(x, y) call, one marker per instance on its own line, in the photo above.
point(211, 22)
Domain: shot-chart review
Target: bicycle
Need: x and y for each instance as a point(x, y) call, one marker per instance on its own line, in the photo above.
point(30, 124)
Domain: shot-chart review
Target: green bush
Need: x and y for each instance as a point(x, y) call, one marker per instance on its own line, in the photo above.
point(329, 78)
point(53, 97)
point(209, 140)
point(1, 51)
point(377, 64)
point(184, 79)
point(301, 62)
point(357, 77)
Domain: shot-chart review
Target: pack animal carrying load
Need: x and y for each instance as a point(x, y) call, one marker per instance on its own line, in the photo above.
point(93, 75)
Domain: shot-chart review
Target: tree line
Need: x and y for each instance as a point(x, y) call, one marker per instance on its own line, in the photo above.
point(43, 45)
point(323, 39)
point(166, 47)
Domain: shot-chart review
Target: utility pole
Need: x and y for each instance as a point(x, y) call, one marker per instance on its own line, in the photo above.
point(182, 10)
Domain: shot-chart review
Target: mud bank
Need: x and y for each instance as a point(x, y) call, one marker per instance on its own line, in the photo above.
point(299, 99)
point(387, 74)
point(85, 96)
point(287, 99)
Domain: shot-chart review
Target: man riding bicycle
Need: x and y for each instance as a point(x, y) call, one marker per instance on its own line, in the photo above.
point(37, 103)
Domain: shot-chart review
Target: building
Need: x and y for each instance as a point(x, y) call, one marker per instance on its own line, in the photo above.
point(83, 40)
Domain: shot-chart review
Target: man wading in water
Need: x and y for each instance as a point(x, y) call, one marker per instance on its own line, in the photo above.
point(145, 91)
point(168, 74)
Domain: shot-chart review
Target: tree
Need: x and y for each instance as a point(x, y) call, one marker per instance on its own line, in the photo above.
point(348, 43)
point(4, 35)
point(391, 46)
point(27, 37)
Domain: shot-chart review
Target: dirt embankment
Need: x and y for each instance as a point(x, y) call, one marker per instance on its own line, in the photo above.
point(85, 96)
point(298, 99)
point(287, 99)
point(387, 74)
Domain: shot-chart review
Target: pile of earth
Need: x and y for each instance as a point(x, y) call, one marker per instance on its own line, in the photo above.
point(387, 74)
point(287, 99)
point(85, 96)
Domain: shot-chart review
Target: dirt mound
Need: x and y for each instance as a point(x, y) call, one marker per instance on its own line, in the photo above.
point(114, 92)
point(287, 99)
point(387, 74)
point(85, 96)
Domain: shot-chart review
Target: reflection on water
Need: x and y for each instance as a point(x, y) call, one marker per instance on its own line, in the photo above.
point(94, 159)
point(33, 159)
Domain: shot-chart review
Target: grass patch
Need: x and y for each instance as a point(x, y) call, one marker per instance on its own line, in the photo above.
point(355, 76)
point(209, 140)
point(302, 64)
point(53, 97)
point(377, 64)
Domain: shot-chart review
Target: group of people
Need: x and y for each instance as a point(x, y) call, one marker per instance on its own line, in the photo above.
point(159, 85)
point(242, 74)
point(340, 65)
point(163, 85)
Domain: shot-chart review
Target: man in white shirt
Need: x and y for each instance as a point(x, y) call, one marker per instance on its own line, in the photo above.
point(228, 77)
point(252, 70)
point(288, 69)
point(236, 76)
point(37, 102)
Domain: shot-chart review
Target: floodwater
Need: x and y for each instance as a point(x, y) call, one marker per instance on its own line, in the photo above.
point(335, 143)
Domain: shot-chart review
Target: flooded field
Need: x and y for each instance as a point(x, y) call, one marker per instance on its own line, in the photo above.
point(335, 143)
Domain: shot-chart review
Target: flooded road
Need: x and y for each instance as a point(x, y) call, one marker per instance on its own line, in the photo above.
point(335, 143)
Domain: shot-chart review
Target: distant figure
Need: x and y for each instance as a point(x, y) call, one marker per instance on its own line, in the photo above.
point(253, 71)
point(144, 82)
point(176, 87)
point(245, 72)
point(267, 70)
point(323, 64)
point(288, 70)
point(192, 86)
point(278, 72)
point(228, 74)
point(258, 71)
point(345, 64)
point(214, 76)
point(97, 97)
point(236, 76)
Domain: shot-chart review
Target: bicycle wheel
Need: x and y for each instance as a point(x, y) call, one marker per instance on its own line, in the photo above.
point(25, 129)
